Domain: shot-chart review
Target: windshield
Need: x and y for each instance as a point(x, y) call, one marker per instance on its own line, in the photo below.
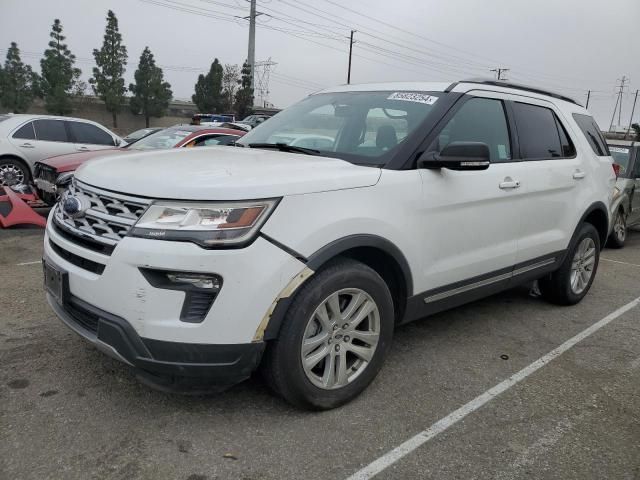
point(620, 156)
point(167, 138)
point(360, 127)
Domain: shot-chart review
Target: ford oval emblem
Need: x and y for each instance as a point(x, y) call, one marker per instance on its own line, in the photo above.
point(73, 206)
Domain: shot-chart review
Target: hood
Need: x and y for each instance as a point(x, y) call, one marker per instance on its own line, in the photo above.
point(71, 161)
point(223, 173)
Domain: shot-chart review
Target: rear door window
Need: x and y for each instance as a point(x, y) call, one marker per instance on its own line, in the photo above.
point(592, 132)
point(25, 132)
point(51, 130)
point(90, 134)
point(540, 133)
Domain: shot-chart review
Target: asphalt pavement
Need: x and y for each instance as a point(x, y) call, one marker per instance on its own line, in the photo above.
point(69, 412)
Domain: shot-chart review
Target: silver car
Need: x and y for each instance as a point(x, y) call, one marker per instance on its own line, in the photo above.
point(26, 139)
point(625, 203)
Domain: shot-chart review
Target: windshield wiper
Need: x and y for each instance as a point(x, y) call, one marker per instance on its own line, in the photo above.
point(283, 147)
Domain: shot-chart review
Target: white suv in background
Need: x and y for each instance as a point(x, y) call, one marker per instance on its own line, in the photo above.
point(358, 209)
point(27, 139)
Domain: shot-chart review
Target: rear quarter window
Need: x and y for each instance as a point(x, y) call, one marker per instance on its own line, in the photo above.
point(592, 133)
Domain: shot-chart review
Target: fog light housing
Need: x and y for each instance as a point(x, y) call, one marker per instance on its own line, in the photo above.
point(201, 289)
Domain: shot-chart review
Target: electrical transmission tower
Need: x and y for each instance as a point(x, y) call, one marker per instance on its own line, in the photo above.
point(261, 75)
point(618, 107)
point(500, 73)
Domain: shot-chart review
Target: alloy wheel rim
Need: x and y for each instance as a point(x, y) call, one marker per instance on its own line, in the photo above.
point(340, 338)
point(582, 266)
point(620, 228)
point(10, 175)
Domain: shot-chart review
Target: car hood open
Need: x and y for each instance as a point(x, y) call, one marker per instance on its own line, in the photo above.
point(223, 173)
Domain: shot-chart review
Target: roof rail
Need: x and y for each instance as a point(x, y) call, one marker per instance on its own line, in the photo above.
point(517, 86)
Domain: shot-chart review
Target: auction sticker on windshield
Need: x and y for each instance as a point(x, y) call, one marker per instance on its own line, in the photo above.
point(413, 97)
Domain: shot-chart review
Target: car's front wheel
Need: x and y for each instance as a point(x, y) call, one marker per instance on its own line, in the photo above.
point(334, 338)
point(571, 282)
point(619, 233)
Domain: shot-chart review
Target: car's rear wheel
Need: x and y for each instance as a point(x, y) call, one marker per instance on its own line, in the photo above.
point(571, 282)
point(619, 233)
point(13, 172)
point(334, 338)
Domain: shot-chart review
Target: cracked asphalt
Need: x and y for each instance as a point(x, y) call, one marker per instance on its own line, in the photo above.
point(69, 412)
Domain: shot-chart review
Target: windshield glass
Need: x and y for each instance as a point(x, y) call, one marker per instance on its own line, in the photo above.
point(360, 127)
point(167, 138)
point(620, 156)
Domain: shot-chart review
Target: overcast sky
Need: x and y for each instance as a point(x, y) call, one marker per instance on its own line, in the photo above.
point(567, 45)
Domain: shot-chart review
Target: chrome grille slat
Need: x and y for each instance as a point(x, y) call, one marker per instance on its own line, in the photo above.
point(109, 217)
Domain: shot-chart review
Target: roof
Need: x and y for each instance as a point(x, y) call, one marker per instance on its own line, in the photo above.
point(622, 143)
point(443, 87)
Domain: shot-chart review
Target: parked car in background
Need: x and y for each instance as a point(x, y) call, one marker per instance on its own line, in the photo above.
point(55, 173)
point(625, 203)
point(209, 118)
point(27, 139)
point(428, 196)
point(254, 120)
point(138, 134)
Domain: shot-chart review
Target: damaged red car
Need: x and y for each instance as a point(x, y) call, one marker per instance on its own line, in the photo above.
point(54, 174)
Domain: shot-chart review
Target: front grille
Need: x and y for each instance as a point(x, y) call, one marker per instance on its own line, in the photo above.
point(107, 219)
point(45, 172)
point(78, 261)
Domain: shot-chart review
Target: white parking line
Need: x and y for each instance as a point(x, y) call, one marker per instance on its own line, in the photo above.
point(28, 263)
point(623, 263)
point(443, 424)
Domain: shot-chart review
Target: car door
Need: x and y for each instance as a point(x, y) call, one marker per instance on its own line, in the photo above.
point(634, 215)
point(24, 139)
point(471, 218)
point(557, 179)
point(87, 136)
point(51, 139)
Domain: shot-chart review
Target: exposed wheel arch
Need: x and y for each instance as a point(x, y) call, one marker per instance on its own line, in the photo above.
point(376, 252)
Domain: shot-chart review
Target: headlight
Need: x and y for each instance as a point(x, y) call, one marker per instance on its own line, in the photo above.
point(208, 225)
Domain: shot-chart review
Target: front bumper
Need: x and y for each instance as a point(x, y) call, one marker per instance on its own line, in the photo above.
point(169, 366)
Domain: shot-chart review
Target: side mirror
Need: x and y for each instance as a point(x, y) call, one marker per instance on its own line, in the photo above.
point(116, 141)
point(458, 156)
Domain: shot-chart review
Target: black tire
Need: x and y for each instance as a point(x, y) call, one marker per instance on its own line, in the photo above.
point(282, 365)
point(8, 167)
point(556, 287)
point(619, 234)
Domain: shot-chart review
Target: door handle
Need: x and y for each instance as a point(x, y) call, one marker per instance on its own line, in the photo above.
point(27, 145)
point(509, 184)
point(579, 175)
point(83, 149)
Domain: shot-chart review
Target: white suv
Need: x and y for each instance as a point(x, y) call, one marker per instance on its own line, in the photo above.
point(358, 209)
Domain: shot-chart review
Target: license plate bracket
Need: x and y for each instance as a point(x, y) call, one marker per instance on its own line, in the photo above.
point(55, 282)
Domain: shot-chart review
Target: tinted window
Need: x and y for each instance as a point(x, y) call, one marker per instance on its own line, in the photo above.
point(51, 130)
point(539, 134)
point(87, 133)
point(26, 132)
point(591, 130)
point(478, 120)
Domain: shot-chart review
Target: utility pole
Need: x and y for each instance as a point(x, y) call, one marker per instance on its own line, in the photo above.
point(588, 97)
point(633, 109)
point(499, 73)
point(618, 106)
point(251, 57)
point(350, 52)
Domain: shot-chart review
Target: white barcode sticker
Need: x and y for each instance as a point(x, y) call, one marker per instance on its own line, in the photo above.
point(413, 97)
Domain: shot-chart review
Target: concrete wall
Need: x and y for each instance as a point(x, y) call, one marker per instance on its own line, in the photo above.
point(93, 109)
